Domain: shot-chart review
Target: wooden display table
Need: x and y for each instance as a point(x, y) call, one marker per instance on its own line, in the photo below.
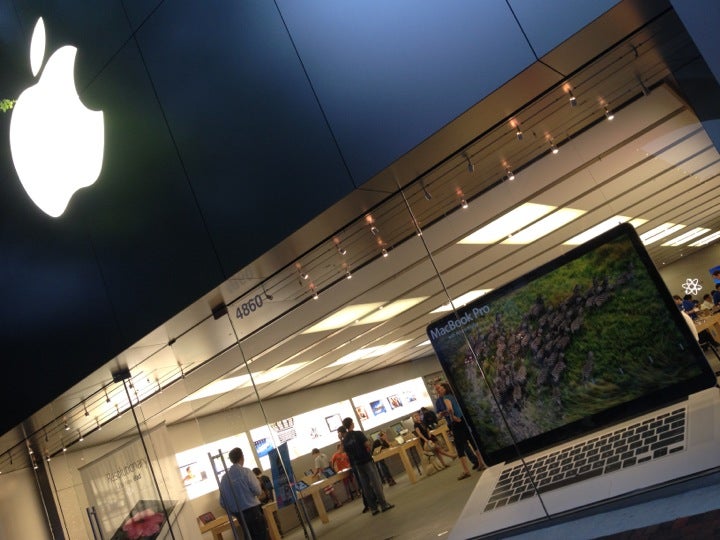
point(217, 526)
point(402, 451)
point(314, 490)
point(444, 432)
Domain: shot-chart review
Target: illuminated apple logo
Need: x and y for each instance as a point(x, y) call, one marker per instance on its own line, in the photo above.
point(56, 142)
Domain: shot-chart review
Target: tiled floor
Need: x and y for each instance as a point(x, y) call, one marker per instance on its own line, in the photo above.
point(426, 509)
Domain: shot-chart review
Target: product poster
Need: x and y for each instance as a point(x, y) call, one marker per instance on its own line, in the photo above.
point(121, 490)
point(282, 475)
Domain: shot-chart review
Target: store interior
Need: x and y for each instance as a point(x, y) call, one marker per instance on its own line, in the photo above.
point(332, 321)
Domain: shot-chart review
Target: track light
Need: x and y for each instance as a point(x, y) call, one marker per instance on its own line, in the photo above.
point(518, 133)
point(86, 411)
point(348, 275)
point(117, 409)
point(67, 427)
point(99, 427)
point(384, 252)
point(463, 204)
point(374, 230)
point(303, 275)
point(64, 447)
point(30, 450)
point(107, 398)
point(80, 436)
point(47, 456)
point(470, 165)
point(553, 148)
point(426, 193)
point(510, 175)
point(342, 250)
point(314, 292)
point(608, 114)
point(573, 99)
point(268, 296)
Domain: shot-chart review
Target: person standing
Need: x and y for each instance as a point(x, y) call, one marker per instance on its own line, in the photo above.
point(459, 430)
point(442, 402)
point(265, 485)
point(383, 470)
point(321, 463)
point(239, 492)
point(357, 446)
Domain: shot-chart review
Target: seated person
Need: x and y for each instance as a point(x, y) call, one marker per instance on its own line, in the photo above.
point(707, 302)
point(385, 476)
point(688, 306)
point(429, 442)
point(429, 418)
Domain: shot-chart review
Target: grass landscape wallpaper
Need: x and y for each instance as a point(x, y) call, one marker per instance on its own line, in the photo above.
point(592, 334)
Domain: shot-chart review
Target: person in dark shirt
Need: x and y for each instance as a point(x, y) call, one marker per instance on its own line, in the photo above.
point(358, 449)
point(266, 486)
point(716, 295)
point(429, 417)
point(385, 475)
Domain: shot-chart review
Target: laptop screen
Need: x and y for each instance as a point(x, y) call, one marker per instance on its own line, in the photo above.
point(581, 342)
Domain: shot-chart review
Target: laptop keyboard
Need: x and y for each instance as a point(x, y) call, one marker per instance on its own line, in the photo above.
point(640, 442)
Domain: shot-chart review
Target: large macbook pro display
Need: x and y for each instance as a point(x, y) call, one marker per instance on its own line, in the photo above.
point(576, 346)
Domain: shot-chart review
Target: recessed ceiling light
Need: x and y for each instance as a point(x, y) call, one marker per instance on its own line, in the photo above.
point(368, 352)
point(220, 386)
point(660, 232)
point(545, 226)
point(391, 310)
point(506, 225)
point(600, 228)
point(461, 300)
point(685, 238)
point(706, 240)
point(277, 373)
point(344, 317)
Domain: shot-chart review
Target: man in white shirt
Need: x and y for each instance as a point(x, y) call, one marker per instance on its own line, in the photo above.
point(239, 491)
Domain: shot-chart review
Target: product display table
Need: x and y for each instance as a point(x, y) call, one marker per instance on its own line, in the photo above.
point(315, 491)
point(402, 450)
point(444, 432)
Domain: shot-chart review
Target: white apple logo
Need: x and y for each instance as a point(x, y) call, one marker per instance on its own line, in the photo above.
point(56, 142)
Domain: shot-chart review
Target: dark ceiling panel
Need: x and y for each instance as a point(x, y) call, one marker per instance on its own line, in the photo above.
point(151, 242)
point(549, 23)
point(388, 82)
point(252, 138)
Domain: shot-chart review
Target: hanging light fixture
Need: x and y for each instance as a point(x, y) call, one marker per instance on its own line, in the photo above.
point(470, 164)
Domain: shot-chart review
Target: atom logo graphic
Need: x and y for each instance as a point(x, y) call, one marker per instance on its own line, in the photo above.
point(691, 286)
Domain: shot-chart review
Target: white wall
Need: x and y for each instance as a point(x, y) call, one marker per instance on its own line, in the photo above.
point(21, 510)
